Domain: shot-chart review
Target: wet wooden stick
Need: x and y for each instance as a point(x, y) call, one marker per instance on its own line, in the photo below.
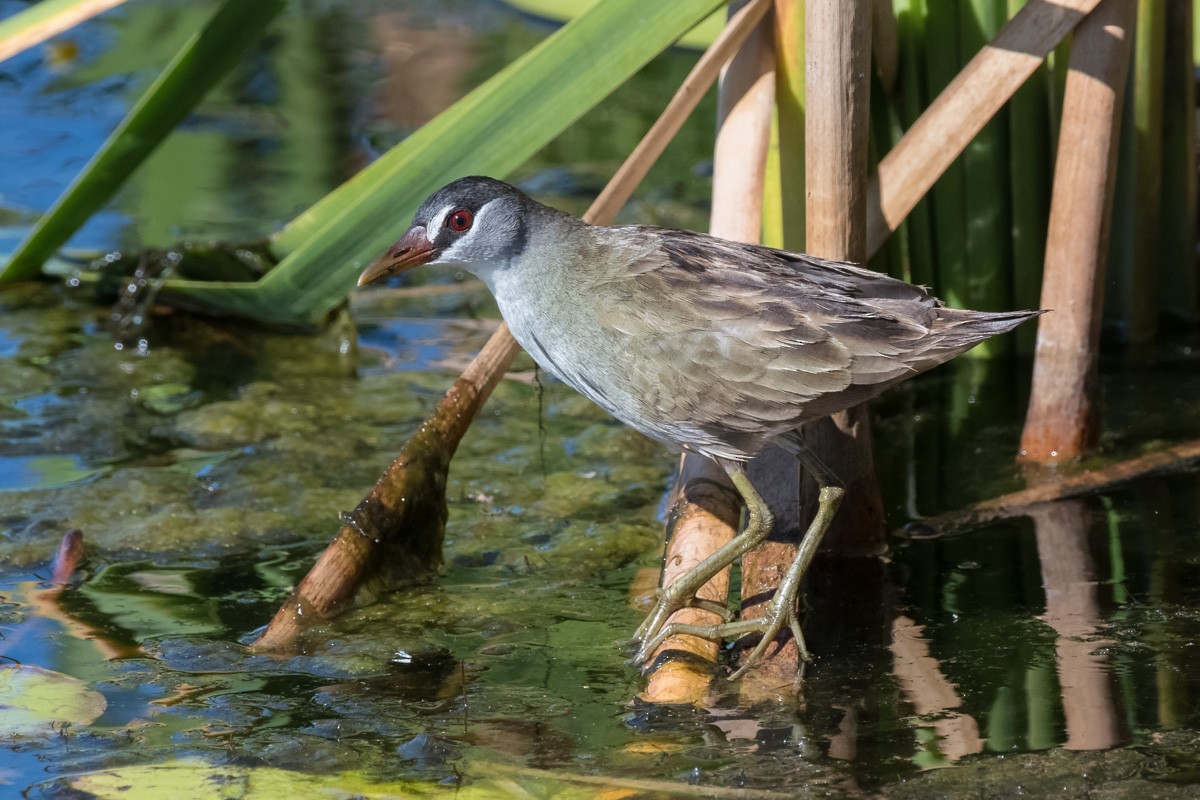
point(1170, 459)
point(394, 536)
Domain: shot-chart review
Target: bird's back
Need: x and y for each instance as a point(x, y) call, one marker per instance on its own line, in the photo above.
point(721, 346)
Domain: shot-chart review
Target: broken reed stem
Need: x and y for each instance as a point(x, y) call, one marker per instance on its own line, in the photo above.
point(1062, 419)
point(394, 536)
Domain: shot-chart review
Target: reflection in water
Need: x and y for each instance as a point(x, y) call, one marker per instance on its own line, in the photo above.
point(930, 692)
point(1073, 610)
point(1079, 658)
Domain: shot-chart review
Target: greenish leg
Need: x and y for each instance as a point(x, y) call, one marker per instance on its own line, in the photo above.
point(682, 592)
point(782, 608)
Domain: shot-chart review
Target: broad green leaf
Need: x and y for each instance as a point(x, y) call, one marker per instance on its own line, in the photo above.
point(697, 38)
point(491, 131)
point(206, 57)
point(36, 701)
point(43, 20)
point(194, 779)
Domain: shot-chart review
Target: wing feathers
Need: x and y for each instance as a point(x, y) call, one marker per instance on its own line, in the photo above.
point(728, 345)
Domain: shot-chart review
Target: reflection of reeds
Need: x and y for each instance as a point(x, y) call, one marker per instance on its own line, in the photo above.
point(1073, 610)
point(1164, 590)
point(930, 692)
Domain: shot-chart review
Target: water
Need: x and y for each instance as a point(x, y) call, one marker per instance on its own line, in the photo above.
point(1049, 652)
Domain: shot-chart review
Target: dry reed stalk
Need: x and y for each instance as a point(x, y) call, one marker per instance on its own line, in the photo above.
point(1062, 419)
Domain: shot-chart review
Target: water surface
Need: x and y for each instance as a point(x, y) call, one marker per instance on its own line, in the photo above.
point(1051, 652)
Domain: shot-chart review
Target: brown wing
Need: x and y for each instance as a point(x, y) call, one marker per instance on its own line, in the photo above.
point(745, 339)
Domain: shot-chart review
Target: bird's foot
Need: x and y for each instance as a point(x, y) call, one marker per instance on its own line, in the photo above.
point(770, 626)
point(767, 627)
point(656, 621)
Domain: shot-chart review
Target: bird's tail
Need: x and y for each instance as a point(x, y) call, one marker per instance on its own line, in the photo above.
point(957, 331)
point(979, 325)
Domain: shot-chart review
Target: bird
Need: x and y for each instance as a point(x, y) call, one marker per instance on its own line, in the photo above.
point(704, 344)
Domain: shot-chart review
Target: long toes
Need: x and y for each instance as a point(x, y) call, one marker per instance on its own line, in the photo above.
point(798, 634)
point(656, 619)
point(771, 624)
point(651, 645)
point(648, 647)
point(648, 627)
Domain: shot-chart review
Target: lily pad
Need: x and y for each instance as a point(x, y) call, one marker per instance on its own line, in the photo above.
point(36, 701)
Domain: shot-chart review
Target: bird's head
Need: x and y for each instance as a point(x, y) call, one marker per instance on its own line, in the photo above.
point(476, 223)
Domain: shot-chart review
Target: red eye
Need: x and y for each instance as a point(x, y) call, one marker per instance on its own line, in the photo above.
point(459, 220)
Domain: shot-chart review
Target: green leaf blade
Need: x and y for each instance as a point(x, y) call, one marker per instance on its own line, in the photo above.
point(491, 131)
point(199, 65)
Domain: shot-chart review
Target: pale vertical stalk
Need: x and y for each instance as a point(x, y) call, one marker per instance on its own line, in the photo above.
point(838, 62)
point(838, 123)
point(704, 523)
point(1061, 421)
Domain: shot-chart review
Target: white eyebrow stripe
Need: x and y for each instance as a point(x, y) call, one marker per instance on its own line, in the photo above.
point(437, 221)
